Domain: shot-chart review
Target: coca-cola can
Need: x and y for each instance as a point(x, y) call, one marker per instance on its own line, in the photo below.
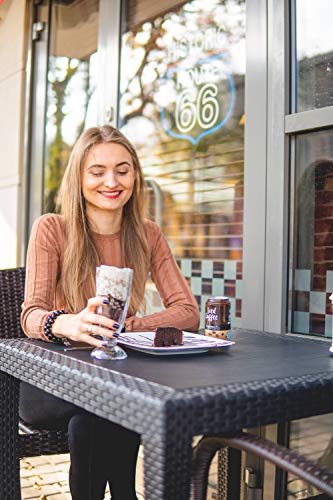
point(217, 317)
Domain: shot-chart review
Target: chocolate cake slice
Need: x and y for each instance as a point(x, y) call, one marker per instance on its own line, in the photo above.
point(167, 336)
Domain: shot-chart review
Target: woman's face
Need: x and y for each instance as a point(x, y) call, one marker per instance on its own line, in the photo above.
point(108, 178)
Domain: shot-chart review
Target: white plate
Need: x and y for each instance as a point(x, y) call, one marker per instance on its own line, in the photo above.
point(193, 343)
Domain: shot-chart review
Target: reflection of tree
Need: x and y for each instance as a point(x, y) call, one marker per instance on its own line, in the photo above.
point(202, 184)
point(61, 74)
point(148, 44)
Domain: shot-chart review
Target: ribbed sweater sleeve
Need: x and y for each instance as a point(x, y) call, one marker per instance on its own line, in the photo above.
point(42, 268)
point(181, 307)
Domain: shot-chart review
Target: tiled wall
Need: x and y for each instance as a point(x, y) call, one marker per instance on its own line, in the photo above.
point(312, 309)
point(207, 278)
point(210, 278)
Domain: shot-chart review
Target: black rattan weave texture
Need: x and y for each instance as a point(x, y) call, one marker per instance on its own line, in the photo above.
point(169, 400)
point(33, 442)
point(308, 470)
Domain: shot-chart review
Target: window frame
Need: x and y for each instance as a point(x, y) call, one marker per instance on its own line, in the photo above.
point(295, 124)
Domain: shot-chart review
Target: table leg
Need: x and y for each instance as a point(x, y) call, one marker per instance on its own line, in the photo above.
point(9, 438)
point(167, 467)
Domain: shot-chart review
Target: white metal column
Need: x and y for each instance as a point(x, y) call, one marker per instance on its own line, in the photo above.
point(254, 233)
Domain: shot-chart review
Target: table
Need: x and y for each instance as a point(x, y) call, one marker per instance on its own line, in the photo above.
point(263, 379)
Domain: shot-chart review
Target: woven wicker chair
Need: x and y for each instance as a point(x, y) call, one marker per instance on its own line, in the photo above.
point(33, 442)
point(288, 460)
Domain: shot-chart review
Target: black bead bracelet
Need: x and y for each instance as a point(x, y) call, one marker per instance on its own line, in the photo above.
point(48, 327)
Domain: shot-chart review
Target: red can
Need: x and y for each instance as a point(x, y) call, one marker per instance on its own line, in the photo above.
point(217, 317)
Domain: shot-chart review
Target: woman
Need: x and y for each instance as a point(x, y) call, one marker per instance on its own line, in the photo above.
point(101, 222)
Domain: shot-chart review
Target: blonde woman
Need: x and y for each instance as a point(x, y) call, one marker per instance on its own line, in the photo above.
point(101, 221)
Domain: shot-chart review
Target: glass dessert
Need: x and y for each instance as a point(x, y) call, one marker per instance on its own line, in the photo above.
point(114, 284)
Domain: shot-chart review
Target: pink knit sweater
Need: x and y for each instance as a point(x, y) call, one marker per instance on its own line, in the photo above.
point(43, 291)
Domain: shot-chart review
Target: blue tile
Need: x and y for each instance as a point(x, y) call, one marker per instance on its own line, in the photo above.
point(196, 285)
point(239, 289)
point(237, 323)
point(329, 281)
point(303, 280)
point(230, 269)
point(232, 308)
point(317, 302)
point(207, 268)
point(328, 325)
point(218, 286)
point(186, 267)
point(301, 322)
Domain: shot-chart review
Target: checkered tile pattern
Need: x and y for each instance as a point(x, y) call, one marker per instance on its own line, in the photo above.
point(312, 308)
point(206, 278)
point(212, 278)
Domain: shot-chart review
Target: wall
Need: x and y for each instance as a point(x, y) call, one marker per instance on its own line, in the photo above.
point(12, 90)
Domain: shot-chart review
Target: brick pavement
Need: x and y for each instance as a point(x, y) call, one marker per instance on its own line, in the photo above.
point(46, 478)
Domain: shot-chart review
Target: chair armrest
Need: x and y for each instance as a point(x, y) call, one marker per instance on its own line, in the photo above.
point(308, 470)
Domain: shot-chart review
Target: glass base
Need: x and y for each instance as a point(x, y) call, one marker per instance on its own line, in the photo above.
point(113, 352)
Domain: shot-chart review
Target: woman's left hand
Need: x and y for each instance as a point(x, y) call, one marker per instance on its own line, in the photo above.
point(83, 326)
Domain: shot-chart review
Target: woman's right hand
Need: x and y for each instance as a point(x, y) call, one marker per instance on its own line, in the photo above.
point(82, 326)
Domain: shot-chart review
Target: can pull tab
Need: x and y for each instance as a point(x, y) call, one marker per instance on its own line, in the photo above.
point(252, 489)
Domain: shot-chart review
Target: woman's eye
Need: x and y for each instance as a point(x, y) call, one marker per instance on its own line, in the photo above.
point(97, 174)
point(122, 172)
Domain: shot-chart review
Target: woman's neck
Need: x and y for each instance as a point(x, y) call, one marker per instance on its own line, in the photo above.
point(104, 222)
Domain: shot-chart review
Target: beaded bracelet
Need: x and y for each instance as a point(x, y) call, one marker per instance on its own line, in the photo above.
point(48, 327)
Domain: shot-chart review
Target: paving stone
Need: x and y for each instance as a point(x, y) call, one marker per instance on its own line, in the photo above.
point(46, 478)
point(54, 477)
point(60, 496)
point(25, 482)
point(38, 491)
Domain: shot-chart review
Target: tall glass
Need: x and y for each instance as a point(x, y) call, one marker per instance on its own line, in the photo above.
point(114, 284)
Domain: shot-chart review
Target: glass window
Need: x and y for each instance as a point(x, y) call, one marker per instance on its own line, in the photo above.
point(71, 86)
point(182, 105)
point(312, 438)
point(313, 239)
point(314, 54)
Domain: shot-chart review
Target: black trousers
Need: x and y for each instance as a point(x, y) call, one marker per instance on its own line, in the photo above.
point(101, 452)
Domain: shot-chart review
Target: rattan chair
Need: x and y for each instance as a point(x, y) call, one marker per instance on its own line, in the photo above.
point(32, 442)
point(284, 458)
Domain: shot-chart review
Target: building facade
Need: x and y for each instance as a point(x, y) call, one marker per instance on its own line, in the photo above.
point(230, 106)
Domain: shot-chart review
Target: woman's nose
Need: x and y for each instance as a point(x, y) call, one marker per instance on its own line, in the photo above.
point(110, 180)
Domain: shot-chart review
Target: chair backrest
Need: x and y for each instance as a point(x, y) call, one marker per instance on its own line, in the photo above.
point(11, 297)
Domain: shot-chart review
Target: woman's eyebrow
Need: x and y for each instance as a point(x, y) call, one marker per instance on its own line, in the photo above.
point(96, 165)
point(123, 163)
point(120, 164)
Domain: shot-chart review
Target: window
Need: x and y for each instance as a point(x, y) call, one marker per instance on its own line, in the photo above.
point(182, 105)
point(313, 279)
point(311, 170)
point(314, 49)
point(71, 87)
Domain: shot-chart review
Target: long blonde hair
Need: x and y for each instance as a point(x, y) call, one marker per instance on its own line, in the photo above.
point(81, 257)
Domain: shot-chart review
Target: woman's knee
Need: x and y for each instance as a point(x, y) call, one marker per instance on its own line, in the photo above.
point(80, 429)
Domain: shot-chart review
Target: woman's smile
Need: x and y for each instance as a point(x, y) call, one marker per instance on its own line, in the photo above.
point(111, 194)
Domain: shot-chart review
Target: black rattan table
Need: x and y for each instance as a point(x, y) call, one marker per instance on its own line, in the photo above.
point(264, 378)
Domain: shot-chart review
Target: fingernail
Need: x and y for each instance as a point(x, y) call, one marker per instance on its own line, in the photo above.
point(123, 330)
point(116, 335)
point(115, 325)
point(105, 301)
point(105, 344)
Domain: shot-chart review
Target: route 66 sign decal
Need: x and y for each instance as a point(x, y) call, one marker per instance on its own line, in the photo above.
point(201, 97)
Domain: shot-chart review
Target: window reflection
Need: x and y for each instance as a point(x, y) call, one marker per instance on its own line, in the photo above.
point(314, 47)
point(313, 281)
point(71, 90)
point(182, 105)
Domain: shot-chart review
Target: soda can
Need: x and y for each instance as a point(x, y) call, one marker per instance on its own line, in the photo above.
point(217, 318)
